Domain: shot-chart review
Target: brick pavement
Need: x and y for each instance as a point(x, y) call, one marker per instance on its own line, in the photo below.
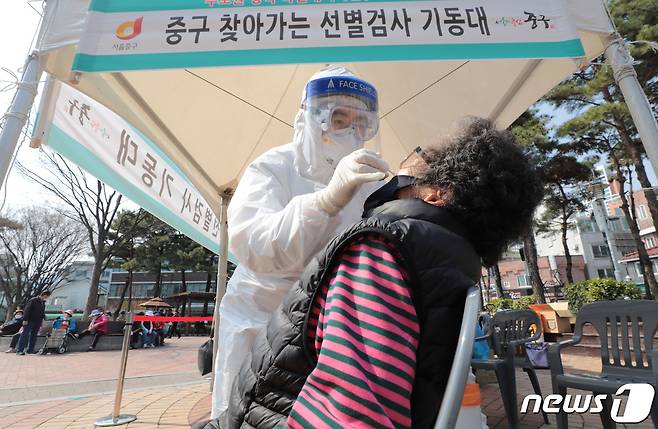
point(155, 408)
point(179, 355)
point(186, 403)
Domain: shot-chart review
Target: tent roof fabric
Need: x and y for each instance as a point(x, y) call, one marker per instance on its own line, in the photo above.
point(193, 113)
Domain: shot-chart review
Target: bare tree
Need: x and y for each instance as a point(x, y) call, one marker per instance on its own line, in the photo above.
point(37, 247)
point(94, 204)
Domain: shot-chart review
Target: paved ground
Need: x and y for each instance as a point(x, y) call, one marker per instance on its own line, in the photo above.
point(164, 390)
point(493, 405)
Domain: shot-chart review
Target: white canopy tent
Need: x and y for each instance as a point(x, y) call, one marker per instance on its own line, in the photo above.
point(193, 114)
point(211, 122)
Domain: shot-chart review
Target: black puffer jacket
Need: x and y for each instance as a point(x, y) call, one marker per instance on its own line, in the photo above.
point(442, 265)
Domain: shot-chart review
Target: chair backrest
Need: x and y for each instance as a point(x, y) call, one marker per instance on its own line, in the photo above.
point(513, 325)
point(626, 330)
point(452, 398)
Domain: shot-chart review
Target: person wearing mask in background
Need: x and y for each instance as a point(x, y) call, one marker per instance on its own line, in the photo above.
point(68, 320)
point(13, 328)
point(289, 203)
point(97, 327)
point(35, 312)
point(367, 337)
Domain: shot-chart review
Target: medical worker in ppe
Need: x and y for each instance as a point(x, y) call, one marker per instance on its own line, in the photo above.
point(289, 203)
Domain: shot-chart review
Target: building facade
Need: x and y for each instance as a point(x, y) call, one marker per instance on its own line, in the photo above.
point(74, 290)
point(144, 285)
point(642, 216)
point(552, 271)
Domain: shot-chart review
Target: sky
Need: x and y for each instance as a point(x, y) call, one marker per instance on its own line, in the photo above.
point(19, 25)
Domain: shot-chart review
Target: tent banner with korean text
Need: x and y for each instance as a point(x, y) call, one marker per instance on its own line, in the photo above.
point(106, 146)
point(125, 35)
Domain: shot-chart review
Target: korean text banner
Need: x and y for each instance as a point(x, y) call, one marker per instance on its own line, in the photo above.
point(106, 146)
point(147, 34)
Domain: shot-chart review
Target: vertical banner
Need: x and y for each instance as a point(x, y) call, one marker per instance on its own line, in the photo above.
point(109, 148)
point(147, 34)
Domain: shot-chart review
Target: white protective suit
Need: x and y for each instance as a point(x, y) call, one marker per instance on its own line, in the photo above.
point(275, 226)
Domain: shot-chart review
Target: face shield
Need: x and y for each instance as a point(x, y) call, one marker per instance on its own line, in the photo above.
point(344, 110)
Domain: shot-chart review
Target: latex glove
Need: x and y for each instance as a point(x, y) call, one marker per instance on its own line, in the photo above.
point(359, 167)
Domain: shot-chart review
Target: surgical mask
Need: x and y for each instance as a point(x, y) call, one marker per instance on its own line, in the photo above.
point(336, 146)
point(388, 192)
point(18, 316)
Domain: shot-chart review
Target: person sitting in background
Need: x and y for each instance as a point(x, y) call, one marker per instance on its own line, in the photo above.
point(136, 333)
point(174, 325)
point(367, 336)
point(13, 328)
point(149, 334)
point(159, 327)
point(66, 320)
point(97, 327)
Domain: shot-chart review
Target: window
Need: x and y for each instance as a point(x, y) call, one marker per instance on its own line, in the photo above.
point(523, 280)
point(638, 269)
point(649, 243)
point(114, 290)
point(619, 225)
point(654, 264)
point(587, 225)
point(606, 273)
point(600, 251)
point(640, 212)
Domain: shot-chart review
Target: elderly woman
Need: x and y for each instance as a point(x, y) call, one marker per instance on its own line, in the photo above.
point(367, 336)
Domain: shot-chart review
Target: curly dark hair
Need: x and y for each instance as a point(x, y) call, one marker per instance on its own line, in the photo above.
point(493, 187)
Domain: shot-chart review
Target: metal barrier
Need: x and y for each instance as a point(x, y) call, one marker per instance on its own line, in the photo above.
point(116, 418)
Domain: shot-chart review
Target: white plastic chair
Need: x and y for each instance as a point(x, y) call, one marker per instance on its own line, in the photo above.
point(452, 398)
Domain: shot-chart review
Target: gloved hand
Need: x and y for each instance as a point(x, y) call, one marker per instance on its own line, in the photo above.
point(359, 167)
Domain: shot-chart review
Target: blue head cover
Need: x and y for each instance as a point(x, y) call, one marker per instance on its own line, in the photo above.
point(343, 85)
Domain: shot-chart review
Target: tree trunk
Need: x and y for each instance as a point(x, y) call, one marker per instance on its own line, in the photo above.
point(565, 228)
point(484, 292)
point(498, 280)
point(530, 250)
point(208, 284)
point(11, 307)
point(158, 281)
point(645, 262)
point(567, 254)
point(122, 298)
point(92, 299)
point(633, 149)
point(183, 282)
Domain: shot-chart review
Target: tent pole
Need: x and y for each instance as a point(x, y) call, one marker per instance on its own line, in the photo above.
point(18, 113)
point(222, 274)
point(622, 67)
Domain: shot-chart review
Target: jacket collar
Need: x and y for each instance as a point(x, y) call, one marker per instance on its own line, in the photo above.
point(416, 208)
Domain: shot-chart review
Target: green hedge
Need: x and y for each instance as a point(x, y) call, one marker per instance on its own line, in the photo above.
point(510, 304)
point(587, 291)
